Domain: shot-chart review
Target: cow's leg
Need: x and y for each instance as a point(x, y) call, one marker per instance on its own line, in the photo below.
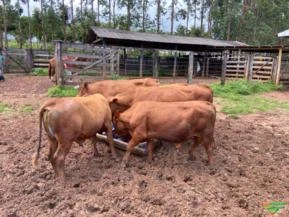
point(208, 142)
point(94, 143)
point(150, 145)
point(177, 152)
point(108, 127)
point(52, 148)
point(195, 143)
point(59, 159)
point(132, 143)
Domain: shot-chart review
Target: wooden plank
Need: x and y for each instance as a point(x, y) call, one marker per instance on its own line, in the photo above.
point(79, 63)
point(279, 66)
point(263, 67)
point(235, 62)
point(41, 60)
point(261, 76)
point(262, 72)
point(40, 64)
point(224, 67)
point(234, 70)
point(86, 56)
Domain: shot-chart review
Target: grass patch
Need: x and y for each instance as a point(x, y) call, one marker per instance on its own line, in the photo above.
point(39, 72)
point(5, 108)
point(242, 97)
point(118, 77)
point(62, 91)
point(26, 109)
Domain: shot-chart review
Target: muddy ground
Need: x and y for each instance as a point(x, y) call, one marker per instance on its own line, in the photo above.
point(250, 168)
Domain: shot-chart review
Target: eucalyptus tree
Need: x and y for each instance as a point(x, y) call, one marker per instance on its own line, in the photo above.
point(129, 7)
point(161, 11)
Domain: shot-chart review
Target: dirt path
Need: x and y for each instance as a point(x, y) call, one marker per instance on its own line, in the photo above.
point(251, 163)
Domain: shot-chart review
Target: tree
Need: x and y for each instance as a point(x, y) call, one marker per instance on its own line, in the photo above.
point(129, 6)
point(159, 13)
point(172, 18)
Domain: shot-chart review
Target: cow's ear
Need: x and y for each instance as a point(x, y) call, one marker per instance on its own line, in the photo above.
point(113, 100)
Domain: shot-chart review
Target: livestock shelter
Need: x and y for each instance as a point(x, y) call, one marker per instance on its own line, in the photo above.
point(110, 52)
point(161, 54)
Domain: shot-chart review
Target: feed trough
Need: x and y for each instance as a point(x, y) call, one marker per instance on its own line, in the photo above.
point(140, 149)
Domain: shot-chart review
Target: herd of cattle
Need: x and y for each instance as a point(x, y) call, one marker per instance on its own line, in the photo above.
point(140, 108)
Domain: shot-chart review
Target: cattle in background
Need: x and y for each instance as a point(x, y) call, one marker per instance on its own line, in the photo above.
point(52, 66)
point(174, 122)
point(66, 120)
point(110, 88)
point(167, 93)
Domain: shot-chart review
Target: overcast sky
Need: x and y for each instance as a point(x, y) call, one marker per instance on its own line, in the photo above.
point(152, 11)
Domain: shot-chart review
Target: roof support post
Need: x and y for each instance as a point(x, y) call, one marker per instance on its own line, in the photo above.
point(59, 63)
point(141, 62)
point(175, 63)
point(155, 64)
point(204, 64)
point(279, 66)
point(224, 67)
point(191, 68)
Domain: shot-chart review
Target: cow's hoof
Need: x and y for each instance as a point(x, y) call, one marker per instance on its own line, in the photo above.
point(191, 158)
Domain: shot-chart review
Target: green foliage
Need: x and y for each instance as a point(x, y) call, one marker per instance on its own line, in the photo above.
point(62, 91)
point(40, 71)
point(242, 97)
point(4, 108)
point(118, 77)
point(274, 207)
point(233, 89)
point(26, 109)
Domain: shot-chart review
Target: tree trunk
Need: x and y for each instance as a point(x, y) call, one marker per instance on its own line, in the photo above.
point(128, 15)
point(98, 16)
point(172, 16)
point(158, 15)
point(29, 24)
point(229, 21)
point(5, 23)
point(188, 15)
point(43, 25)
point(19, 26)
point(113, 13)
point(109, 13)
point(202, 15)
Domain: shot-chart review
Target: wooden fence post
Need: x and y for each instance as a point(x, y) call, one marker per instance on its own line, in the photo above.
point(141, 63)
point(207, 66)
point(279, 66)
point(250, 67)
point(175, 65)
point(29, 59)
point(204, 65)
point(191, 68)
point(224, 67)
point(155, 64)
point(59, 63)
point(117, 61)
point(112, 54)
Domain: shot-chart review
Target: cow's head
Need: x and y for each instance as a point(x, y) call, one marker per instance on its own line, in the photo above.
point(118, 104)
point(120, 126)
point(83, 89)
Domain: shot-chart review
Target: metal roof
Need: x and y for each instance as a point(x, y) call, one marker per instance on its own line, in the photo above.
point(153, 40)
point(284, 33)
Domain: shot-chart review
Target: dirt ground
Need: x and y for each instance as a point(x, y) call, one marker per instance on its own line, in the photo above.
point(250, 167)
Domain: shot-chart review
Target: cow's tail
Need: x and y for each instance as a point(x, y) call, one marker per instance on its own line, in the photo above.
point(35, 156)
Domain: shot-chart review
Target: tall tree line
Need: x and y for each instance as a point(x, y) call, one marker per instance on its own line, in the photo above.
point(255, 22)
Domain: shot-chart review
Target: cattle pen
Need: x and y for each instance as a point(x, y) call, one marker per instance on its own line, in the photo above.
point(110, 53)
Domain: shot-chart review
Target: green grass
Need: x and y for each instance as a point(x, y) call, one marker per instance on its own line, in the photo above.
point(40, 71)
point(118, 77)
point(26, 109)
point(242, 97)
point(5, 108)
point(62, 91)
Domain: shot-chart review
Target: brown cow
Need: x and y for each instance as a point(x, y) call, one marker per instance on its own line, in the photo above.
point(167, 93)
point(51, 68)
point(67, 120)
point(174, 122)
point(110, 88)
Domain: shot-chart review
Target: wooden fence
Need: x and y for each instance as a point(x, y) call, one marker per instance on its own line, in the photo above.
point(251, 67)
